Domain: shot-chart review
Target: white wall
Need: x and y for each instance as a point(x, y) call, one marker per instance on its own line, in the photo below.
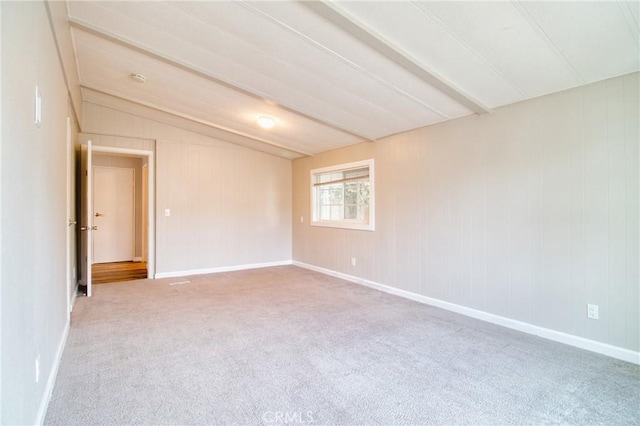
point(34, 222)
point(528, 213)
point(230, 205)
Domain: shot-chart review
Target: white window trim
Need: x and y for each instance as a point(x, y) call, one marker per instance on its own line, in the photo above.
point(346, 223)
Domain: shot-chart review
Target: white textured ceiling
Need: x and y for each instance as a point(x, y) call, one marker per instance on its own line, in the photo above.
point(334, 74)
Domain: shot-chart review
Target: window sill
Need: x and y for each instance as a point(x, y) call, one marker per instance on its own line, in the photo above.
point(344, 225)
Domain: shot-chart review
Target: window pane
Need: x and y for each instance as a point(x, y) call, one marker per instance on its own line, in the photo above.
point(351, 193)
point(363, 192)
point(342, 196)
point(336, 212)
point(363, 212)
point(351, 211)
point(325, 213)
point(335, 193)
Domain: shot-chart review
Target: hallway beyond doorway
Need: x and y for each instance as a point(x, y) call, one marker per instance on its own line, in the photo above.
point(118, 271)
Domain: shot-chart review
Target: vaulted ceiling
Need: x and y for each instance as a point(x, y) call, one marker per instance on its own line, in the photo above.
point(333, 74)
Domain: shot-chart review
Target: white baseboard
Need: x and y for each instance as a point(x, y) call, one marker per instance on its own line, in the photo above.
point(51, 380)
point(221, 269)
point(557, 336)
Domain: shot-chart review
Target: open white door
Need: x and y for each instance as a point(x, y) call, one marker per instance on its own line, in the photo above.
point(71, 224)
point(86, 217)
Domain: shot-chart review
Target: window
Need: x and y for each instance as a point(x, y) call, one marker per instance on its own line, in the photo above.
point(343, 196)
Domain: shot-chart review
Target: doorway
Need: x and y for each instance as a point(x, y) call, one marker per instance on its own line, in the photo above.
point(114, 214)
point(145, 255)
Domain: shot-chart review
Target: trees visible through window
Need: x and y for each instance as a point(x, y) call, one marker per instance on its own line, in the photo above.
point(342, 196)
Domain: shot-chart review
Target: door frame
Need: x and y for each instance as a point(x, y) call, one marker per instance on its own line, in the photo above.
point(151, 232)
point(145, 210)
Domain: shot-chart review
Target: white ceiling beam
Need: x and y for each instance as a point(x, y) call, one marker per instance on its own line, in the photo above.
point(133, 45)
point(361, 69)
point(385, 47)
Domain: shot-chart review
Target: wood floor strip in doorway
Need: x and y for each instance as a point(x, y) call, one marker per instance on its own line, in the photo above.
point(102, 273)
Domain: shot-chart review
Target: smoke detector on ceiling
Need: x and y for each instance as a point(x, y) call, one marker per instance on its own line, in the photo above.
point(139, 78)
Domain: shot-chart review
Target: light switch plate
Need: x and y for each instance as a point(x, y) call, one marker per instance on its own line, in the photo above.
point(37, 108)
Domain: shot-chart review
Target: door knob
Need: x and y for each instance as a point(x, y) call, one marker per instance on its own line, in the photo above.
point(72, 222)
point(87, 228)
point(98, 214)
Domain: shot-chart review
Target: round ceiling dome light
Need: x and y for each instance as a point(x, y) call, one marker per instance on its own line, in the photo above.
point(266, 122)
point(139, 78)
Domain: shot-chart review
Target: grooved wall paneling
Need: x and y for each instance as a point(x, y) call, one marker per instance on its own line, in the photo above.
point(34, 212)
point(230, 205)
point(529, 213)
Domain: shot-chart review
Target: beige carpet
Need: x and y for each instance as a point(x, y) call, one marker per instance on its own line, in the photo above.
point(288, 346)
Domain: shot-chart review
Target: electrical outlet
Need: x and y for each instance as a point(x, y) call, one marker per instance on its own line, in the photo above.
point(592, 311)
point(353, 261)
point(167, 212)
point(38, 369)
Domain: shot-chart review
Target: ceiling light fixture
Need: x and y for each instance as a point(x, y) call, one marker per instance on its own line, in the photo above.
point(139, 78)
point(266, 122)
